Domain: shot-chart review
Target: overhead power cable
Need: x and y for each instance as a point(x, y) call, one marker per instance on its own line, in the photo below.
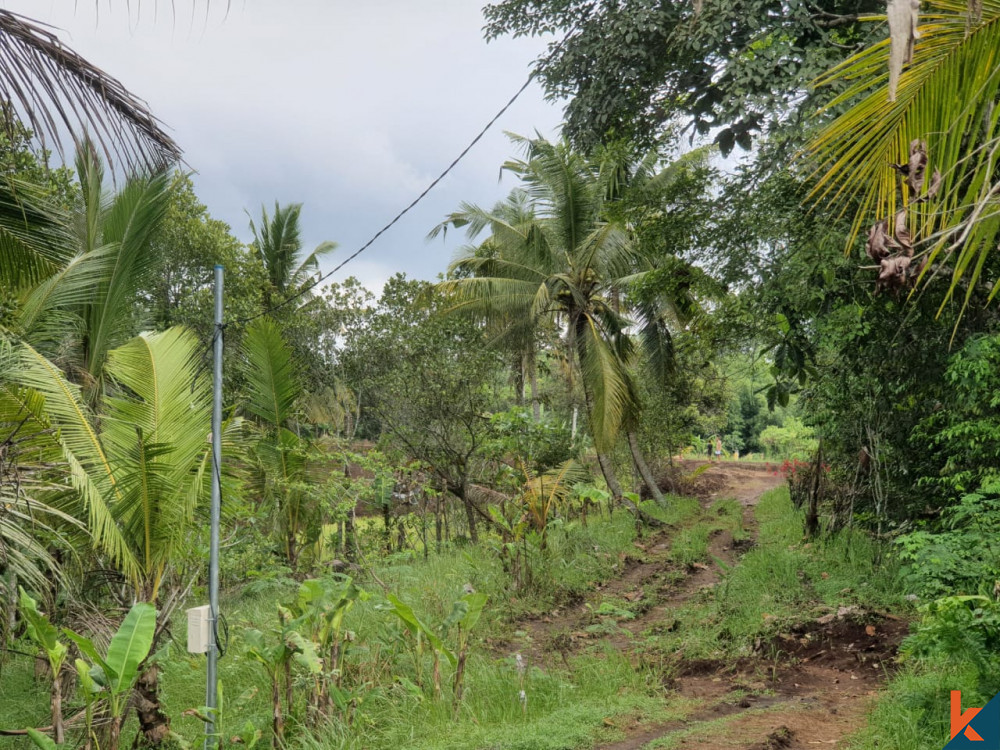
point(323, 277)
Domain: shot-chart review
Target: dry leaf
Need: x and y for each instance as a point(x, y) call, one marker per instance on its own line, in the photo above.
point(917, 165)
point(893, 273)
point(935, 185)
point(902, 232)
point(878, 241)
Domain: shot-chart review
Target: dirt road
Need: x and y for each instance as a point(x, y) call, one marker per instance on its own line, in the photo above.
point(806, 689)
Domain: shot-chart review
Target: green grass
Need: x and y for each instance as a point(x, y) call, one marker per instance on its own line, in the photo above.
point(780, 581)
point(572, 705)
point(563, 711)
point(564, 708)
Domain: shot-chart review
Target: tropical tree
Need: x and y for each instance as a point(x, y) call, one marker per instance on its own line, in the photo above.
point(634, 69)
point(430, 383)
point(75, 274)
point(569, 259)
point(138, 463)
point(279, 246)
point(918, 157)
point(273, 391)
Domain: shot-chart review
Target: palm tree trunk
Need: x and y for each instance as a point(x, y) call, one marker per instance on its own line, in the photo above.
point(153, 722)
point(643, 467)
point(610, 478)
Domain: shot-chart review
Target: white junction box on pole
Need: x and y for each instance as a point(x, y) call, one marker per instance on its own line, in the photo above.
point(199, 629)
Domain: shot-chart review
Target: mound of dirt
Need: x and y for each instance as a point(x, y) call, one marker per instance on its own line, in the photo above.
point(851, 644)
point(779, 738)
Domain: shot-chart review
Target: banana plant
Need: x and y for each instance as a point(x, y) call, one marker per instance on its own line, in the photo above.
point(421, 632)
point(113, 675)
point(46, 637)
point(465, 614)
point(276, 651)
point(321, 606)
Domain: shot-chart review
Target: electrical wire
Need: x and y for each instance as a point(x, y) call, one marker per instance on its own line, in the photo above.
point(323, 277)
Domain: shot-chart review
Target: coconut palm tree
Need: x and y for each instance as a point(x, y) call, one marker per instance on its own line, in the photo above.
point(75, 273)
point(563, 247)
point(279, 246)
point(140, 471)
point(923, 158)
point(562, 259)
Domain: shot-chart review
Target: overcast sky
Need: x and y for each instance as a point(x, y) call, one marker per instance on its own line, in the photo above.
point(350, 107)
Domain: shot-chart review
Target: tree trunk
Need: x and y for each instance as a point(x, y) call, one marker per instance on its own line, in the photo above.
point(812, 511)
point(437, 523)
point(643, 467)
point(609, 477)
point(387, 524)
point(461, 491)
point(519, 368)
point(153, 723)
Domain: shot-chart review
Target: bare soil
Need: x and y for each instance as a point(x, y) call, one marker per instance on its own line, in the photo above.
point(806, 689)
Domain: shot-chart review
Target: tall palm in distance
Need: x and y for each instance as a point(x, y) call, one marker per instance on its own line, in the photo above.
point(278, 243)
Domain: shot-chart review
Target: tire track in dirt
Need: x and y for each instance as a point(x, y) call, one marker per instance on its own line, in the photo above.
point(813, 694)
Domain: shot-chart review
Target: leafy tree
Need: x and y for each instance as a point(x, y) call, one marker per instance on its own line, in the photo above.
point(431, 383)
point(628, 68)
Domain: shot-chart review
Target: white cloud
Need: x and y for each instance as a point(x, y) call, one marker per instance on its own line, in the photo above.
point(351, 108)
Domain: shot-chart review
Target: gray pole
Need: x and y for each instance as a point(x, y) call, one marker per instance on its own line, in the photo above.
point(213, 559)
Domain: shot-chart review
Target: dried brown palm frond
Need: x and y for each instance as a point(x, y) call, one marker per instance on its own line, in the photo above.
point(55, 91)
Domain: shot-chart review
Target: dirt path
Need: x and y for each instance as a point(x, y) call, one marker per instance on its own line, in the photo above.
point(811, 691)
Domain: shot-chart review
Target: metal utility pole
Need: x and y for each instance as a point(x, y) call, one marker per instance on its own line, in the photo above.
point(211, 699)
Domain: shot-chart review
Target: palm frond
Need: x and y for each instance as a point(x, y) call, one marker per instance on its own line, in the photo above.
point(129, 225)
point(54, 90)
point(945, 98)
point(34, 241)
point(90, 468)
point(158, 432)
point(272, 385)
point(607, 380)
